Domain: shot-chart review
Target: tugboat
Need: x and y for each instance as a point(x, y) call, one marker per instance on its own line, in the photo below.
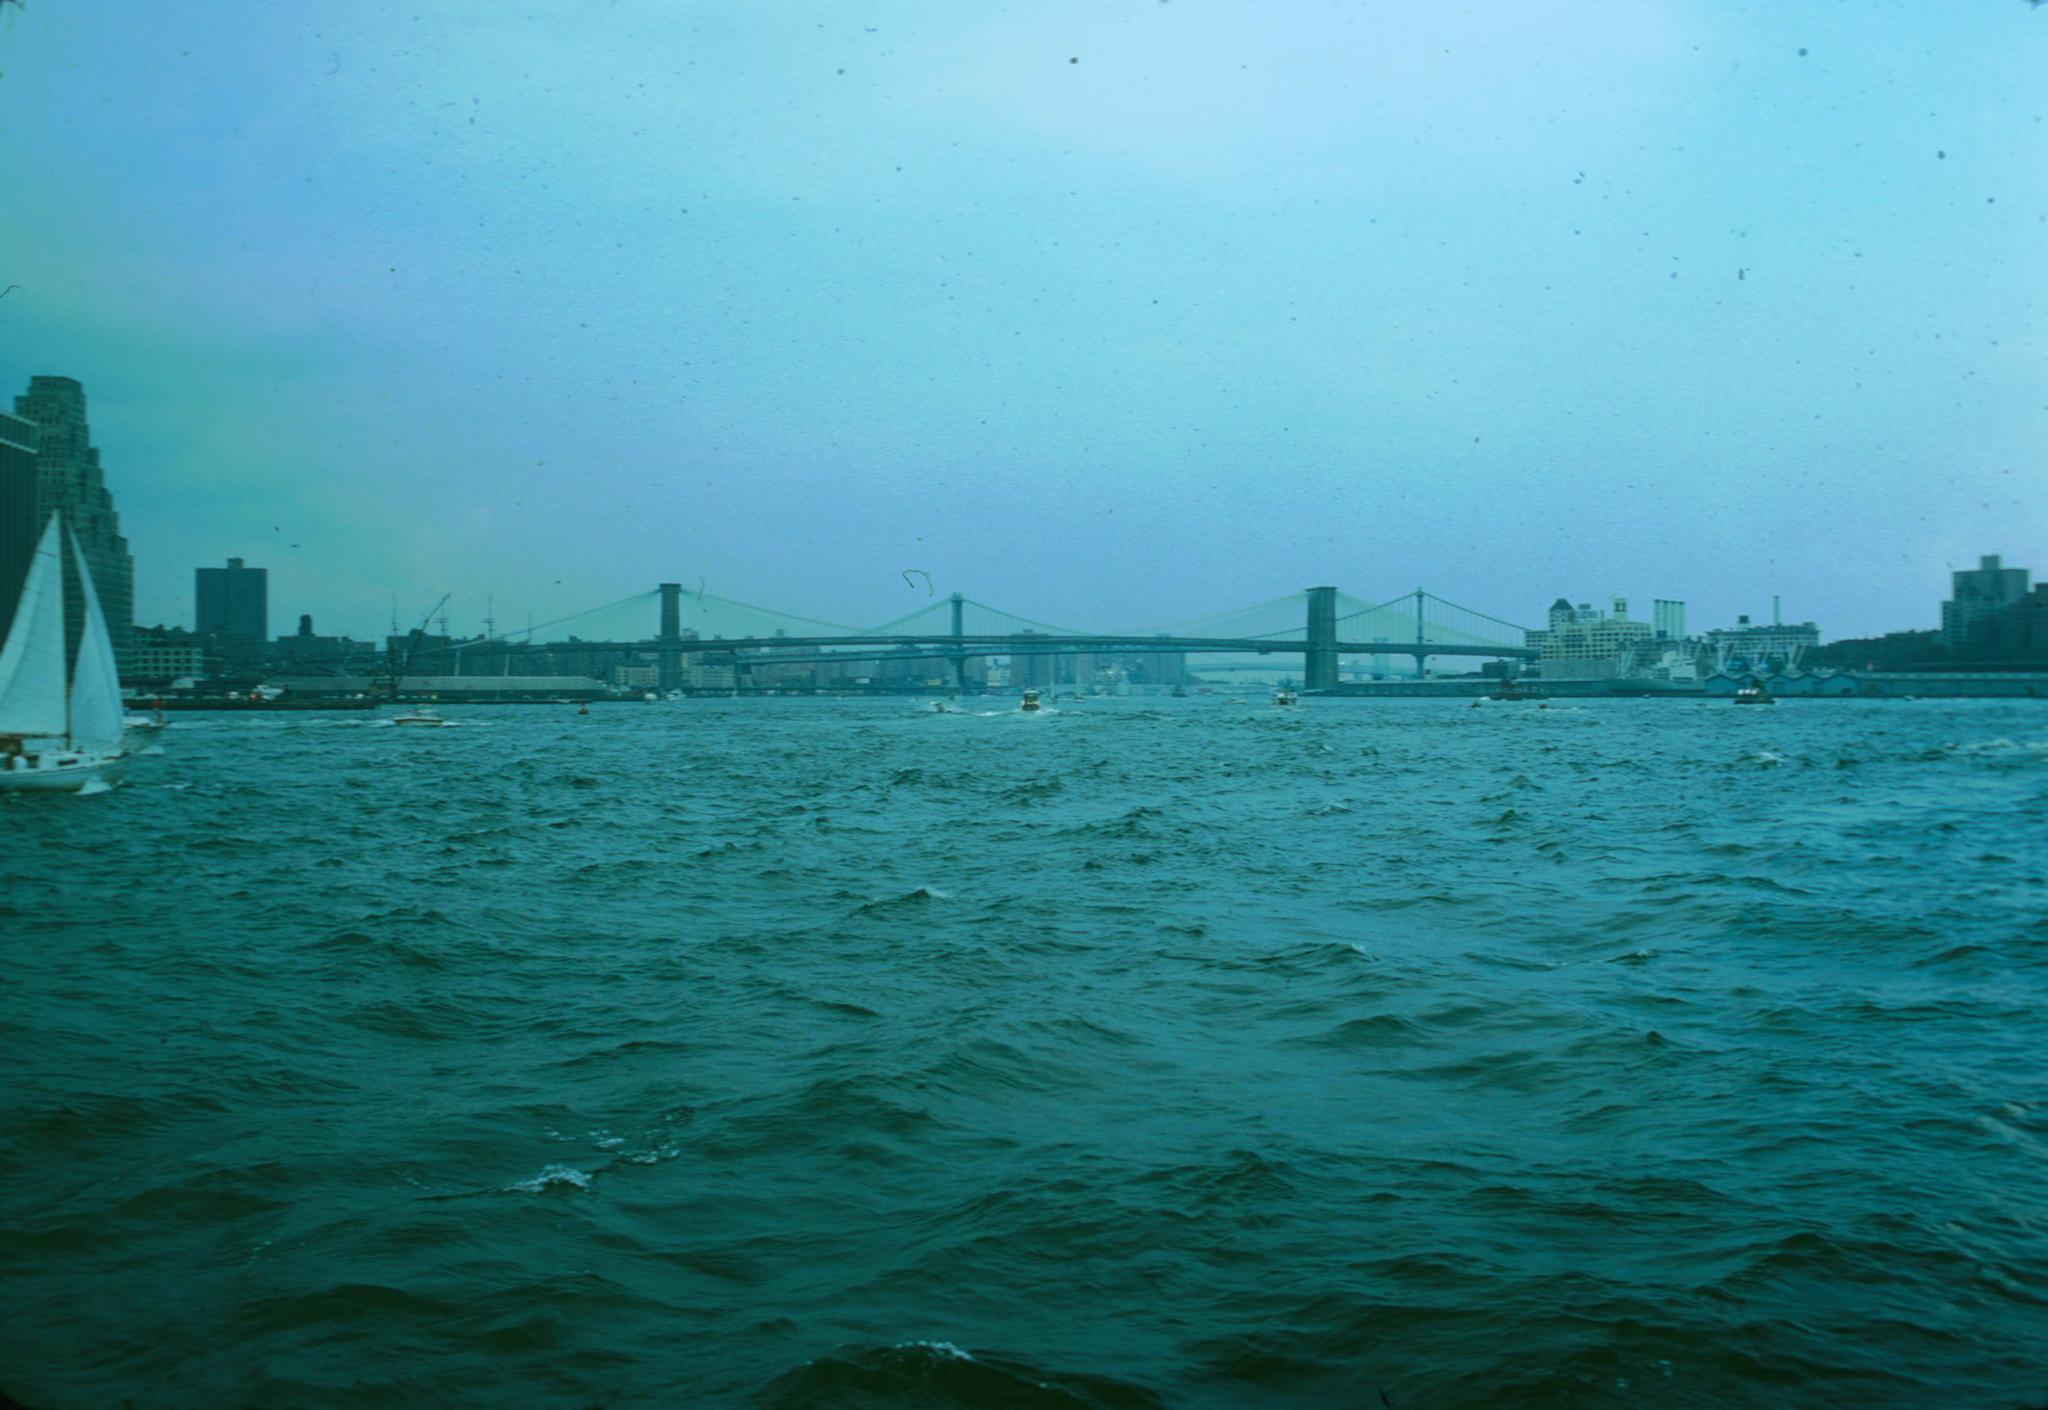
point(1755, 694)
point(1030, 705)
point(1284, 696)
point(1506, 690)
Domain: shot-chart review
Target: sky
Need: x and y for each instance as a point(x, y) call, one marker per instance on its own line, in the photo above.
point(1112, 313)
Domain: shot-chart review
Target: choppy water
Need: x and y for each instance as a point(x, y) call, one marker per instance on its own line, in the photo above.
point(807, 1054)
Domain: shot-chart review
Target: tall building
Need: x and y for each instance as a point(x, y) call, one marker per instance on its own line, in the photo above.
point(232, 605)
point(1976, 600)
point(68, 477)
point(19, 523)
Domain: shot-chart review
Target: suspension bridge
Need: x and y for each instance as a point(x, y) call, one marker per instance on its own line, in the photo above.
point(1321, 625)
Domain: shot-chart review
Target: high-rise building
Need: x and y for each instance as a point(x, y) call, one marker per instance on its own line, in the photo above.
point(232, 605)
point(19, 523)
point(1667, 619)
point(1977, 599)
point(68, 477)
point(1032, 667)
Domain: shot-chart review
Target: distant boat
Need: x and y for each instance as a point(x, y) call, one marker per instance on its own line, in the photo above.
point(1283, 696)
point(58, 735)
point(1180, 692)
point(1755, 694)
point(1030, 705)
point(425, 715)
point(150, 723)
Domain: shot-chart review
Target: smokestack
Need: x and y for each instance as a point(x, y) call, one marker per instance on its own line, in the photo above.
point(1774, 611)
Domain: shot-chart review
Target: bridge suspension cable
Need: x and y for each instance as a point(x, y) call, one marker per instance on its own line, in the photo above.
point(1219, 619)
point(1471, 612)
point(526, 633)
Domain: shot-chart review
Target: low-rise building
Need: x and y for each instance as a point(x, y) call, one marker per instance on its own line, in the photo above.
point(455, 689)
point(160, 655)
point(1779, 646)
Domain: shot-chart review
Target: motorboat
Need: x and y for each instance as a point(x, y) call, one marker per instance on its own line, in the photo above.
point(59, 730)
point(1029, 705)
point(1284, 696)
point(1755, 694)
point(420, 715)
point(149, 723)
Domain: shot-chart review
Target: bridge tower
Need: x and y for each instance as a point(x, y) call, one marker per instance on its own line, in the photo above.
point(958, 655)
point(1421, 637)
point(1319, 665)
point(669, 655)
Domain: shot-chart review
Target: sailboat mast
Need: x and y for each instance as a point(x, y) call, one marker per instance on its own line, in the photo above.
point(68, 667)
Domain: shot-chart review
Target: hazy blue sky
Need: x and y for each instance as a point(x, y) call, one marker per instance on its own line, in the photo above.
point(1112, 312)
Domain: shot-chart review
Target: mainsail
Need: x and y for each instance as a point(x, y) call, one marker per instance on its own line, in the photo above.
point(32, 662)
point(96, 709)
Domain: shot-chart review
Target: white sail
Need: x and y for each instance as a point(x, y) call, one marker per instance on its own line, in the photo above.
point(96, 711)
point(32, 662)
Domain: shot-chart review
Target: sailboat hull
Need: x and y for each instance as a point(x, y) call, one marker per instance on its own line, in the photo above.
point(62, 773)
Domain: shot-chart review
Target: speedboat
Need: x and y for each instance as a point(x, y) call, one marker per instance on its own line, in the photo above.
point(419, 715)
point(1030, 705)
point(1755, 694)
point(1283, 696)
point(59, 730)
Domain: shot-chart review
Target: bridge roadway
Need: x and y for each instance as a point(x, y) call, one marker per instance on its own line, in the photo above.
point(776, 649)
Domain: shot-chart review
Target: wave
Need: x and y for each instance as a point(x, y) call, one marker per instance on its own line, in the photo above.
point(937, 1375)
point(554, 1177)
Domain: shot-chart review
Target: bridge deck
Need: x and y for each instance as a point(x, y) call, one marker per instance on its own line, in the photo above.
point(774, 647)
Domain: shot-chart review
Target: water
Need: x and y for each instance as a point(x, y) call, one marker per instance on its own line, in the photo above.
point(1174, 1053)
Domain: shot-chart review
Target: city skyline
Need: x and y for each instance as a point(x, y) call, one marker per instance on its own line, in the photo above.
point(1156, 304)
point(68, 467)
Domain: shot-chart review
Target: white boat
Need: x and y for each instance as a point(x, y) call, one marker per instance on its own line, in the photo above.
point(1030, 705)
point(59, 730)
point(146, 724)
point(419, 715)
point(1283, 696)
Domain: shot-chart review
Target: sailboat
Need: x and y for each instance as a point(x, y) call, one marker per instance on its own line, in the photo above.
point(58, 734)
